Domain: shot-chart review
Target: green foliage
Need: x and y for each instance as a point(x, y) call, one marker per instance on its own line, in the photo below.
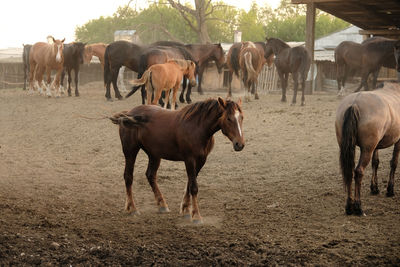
point(160, 21)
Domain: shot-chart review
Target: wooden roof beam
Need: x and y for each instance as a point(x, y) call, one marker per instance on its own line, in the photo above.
point(380, 32)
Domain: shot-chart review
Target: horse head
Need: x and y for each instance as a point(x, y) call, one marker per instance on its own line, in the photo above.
point(191, 70)
point(219, 57)
point(231, 122)
point(397, 55)
point(58, 48)
point(79, 51)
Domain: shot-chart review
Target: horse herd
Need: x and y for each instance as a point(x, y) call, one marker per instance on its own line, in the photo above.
point(369, 120)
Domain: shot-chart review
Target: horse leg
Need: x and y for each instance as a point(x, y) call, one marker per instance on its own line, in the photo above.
point(184, 84)
point(48, 87)
point(393, 166)
point(295, 77)
point(151, 174)
point(200, 78)
point(282, 78)
point(364, 82)
point(174, 92)
point(254, 90)
point(157, 95)
point(120, 79)
point(193, 189)
point(108, 78)
point(114, 82)
point(76, 72)
point(166, 99)
point(303, 88)
point(188, 93)
point(230, 77)
point(130, 158)
point(69, 81)
point(374, 178)
point(31, 76)
point(57, 82)
point(365, 157)
point(375, 78)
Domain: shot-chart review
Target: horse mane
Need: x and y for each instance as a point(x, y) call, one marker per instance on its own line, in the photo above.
point(203, 109)
point(167, 43)
point(277, 44)
point(381, 44)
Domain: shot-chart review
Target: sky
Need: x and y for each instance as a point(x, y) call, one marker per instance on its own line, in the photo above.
point(31, 21)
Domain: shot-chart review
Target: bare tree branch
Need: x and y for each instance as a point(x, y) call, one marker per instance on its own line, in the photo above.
point(159, 27)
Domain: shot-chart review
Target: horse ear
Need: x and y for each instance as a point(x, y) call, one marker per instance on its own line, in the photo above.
point(62, 41)
point(222, 102)
point(240, 102)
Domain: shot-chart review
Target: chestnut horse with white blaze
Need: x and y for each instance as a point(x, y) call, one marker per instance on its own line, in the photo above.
point(45, 57)
point(370, 120)
point(184, 135)
point(163, 77)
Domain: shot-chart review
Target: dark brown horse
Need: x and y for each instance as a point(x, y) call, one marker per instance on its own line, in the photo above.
point(371, 121)
point(232, 61)
point(250, 61)
point(202, 54)
point(294, 60)
point(45, 57)
point(73, 58)
point(117, 54)
point(25, 61)
point(367, 57)
point(184, 135)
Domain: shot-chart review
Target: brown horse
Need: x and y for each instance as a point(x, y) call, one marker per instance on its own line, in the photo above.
point(46, 57)
point(294, 60)
point(184, 135)
point(232, 61)
point(163, 77)
point(73, 58)
point(371, 121)
point(98, 50)
point(367, 57)
point(250, 61)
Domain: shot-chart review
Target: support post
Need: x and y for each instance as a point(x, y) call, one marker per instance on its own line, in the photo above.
point(310, 37)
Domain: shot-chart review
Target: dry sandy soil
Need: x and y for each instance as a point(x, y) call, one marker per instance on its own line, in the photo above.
point(280, 201)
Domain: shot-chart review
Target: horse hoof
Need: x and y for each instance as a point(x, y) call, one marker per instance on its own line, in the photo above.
point(283, 100)
point(389, 194)
point(76, 95)
point(120, 98)
point(163, 210)
point(374, 190)
point(293, 104)
point(134, 213)
point(181, 99)
point(303, 104)
point(109, 100)
point(357, 210)
point(198, 221)
point(189, 101)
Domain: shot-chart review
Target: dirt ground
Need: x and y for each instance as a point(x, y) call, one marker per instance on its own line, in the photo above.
point(280, 201)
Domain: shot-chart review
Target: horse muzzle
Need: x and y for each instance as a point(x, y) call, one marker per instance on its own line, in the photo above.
point(237, 146)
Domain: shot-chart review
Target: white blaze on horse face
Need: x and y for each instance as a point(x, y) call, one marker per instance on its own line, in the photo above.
point(58, 56)
point(237, 114)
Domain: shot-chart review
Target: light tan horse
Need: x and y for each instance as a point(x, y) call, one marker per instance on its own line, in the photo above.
point(97, 49)
point(45, 57)
point(370, 120)
point(166, 76)
point(251, 62)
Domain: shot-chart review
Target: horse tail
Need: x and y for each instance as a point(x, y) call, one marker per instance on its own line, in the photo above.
point(305, 63)
point(124, 119)
point(348, 143)
point(248, 61)
point(138, 82)
point(235, 61)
